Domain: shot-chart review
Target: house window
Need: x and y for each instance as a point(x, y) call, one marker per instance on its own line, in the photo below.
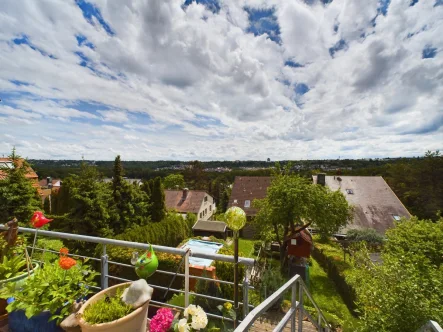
point(350, 191)
point(206, 198)
point(201, 214)
point(206, 212)
point(397, 218)
point(235, 201)
point(247, 203)
point(210, 208)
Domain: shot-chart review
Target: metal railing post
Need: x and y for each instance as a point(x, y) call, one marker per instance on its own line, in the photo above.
point(245, 296)
point(300, 307)
point(294, 305)
point(187, 278)
point(104, 269)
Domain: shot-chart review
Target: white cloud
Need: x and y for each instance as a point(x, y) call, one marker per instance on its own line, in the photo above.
point(198, 85)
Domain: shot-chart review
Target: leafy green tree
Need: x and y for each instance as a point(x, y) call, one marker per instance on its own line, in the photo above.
point(18, 198)
point(406, 290)
point(158, 208)
point(195, 175)
point(89, 202)
point(293, 203)
point(47, 205)
point(174, 181)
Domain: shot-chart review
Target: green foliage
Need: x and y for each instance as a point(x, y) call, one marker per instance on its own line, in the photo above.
point(47, 205)
point(270, 281)
point(18, 198)
point(406, 289)
point(292, 200)
point(12, 267)
point(51, 288)
point(369, 235)
point(174, 181)
point(169, 232)
point(158, 208)
point(47, 244)
point(179, 300)
point(107, 309)
point(328, 299)
point(195, 175)
point(131, 204)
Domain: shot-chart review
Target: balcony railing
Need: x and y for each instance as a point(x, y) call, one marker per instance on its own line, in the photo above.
point(105, 262)
point(296, 285)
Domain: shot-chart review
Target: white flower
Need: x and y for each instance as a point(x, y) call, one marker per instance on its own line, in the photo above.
point(190, 310)
point(183, 325)
point(200, 320)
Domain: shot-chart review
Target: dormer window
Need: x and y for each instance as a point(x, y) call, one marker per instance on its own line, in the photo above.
point(247, 203)
point(396, 218)
point(350, 191)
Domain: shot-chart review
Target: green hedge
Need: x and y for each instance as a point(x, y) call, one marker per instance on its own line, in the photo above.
point(169, 232)
point(335, 272)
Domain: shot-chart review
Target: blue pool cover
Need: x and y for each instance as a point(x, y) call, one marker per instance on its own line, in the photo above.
point(202, 246)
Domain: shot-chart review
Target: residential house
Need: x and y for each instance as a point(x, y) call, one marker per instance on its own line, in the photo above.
point(244, 190)
point(30, 173)
point(375, 204)
point(49, 186)
point(218, 229)
point(191, 201)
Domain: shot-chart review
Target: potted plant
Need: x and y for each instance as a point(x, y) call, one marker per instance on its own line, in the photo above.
point(122, 307)
point(15, 265)
point(42, 301)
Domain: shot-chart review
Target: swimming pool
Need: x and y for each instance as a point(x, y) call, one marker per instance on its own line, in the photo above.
point(202, 246)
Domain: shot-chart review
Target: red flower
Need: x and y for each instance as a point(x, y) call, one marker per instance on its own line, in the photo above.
point(66, 262)
point(64, 251)
point(38, 220)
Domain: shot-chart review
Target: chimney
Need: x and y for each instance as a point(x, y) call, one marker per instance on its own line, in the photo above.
point(321, 179)
point(185, 193)
point(49, 182)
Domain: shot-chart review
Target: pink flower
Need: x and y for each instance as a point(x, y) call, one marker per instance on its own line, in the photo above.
point(162, 320)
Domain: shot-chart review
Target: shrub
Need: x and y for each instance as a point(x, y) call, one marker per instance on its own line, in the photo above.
point(370, 236)
point(107, 309)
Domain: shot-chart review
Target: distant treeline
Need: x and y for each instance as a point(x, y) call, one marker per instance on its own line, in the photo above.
point(418, 182)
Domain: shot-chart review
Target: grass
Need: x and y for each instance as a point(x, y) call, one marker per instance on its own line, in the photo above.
point(335, 253)
point(246, 248)
point(328, 299)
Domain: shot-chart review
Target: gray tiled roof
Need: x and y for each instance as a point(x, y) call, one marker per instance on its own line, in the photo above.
point(374, 202)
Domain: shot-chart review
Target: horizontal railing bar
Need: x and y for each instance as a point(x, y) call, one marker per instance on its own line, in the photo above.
point(281, 325)
point(135, 245)
point(182, 275)
point(266, 304)
point(217, 298)
point(57, 252)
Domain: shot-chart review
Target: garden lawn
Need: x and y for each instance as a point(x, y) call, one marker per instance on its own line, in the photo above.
point(245, 248)
point(328, 299)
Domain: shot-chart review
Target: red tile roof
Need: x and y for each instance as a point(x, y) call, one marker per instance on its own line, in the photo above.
point(248, 188)
point(30, 174)
point(191, 204)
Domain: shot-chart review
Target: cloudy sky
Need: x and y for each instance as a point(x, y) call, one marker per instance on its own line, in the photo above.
point(221, 79)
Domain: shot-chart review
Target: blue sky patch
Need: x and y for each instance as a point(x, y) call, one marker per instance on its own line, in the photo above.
point(429, 52)
point(438, 3)
point(301, 89)
point(90, 11)
point(82, 40)
point(383, 6)
point(340, 45)
point(19, 83)
point(24, 40)
point(293, 64)
point(413, 2)
point(263, 21)
point(212, 5)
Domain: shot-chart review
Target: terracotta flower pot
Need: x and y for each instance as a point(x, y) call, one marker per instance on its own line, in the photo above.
point(136, 321)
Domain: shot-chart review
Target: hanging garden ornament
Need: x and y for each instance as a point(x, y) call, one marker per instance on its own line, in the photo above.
point(38, 220)
point(235, 218)
point(146, 264)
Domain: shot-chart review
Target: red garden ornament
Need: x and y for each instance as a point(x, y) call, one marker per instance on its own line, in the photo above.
point(38, 220)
